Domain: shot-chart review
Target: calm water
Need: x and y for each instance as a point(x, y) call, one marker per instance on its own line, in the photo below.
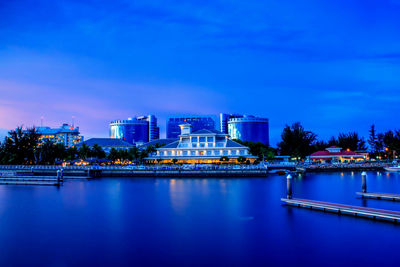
point(190, 222)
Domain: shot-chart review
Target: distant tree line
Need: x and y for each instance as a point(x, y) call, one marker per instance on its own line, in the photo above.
point(300, 143)
point(24, 147)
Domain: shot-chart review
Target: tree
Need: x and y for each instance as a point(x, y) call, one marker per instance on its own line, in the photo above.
point(241, 159)
point(224, 159)
point(391, 141)
point(372, 139)
point(351, 141)
point(296, 141)
point(174, 161)
point(320, 145)
point(19, 146)
point(261, 150)
point(134, 154)
point(97, 152)
point(84, 151)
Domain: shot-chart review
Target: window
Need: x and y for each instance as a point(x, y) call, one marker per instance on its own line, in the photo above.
point(208, 152)
point(194, 145)
point(233, 152)
point(202, 139)
point(169, 153)
point(210, 139)
point(225, 152)
point(184, 153)
point(210, 144)
point(193, 153)
point(241, 152)
point(216, 152)
point(220, 144)
point(202, 145)
point(194, 139)
point(183, 145)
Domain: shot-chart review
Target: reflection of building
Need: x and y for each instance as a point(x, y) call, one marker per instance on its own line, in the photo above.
point(202, 146)
point(336, 154)
point(135, 130)
point(66, 134)
point(198, 123)
point(109, 143)
point(245, 128)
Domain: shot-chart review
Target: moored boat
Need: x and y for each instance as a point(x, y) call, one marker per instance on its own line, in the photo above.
point(393, 169)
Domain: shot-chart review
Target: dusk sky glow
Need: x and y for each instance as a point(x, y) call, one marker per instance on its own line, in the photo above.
point(332, 65)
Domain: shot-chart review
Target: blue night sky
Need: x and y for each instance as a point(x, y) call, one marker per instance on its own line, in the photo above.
point(332, 65)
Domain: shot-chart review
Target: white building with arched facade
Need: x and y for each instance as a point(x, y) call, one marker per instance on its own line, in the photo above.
point(203, 146)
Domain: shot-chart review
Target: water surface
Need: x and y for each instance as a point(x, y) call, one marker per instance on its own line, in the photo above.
point(192, 222)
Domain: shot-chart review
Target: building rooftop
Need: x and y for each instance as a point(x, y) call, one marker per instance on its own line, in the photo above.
point(107, 142)
point(207, 131)
point(231, 143)
point(172, 145)
point(165, 141)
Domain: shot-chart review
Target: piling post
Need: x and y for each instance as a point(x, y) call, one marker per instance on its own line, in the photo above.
point(364, 182)
point(62, 175)
point(58, 176)
point(289, 189)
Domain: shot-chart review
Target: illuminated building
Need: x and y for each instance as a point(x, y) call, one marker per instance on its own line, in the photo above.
point(198, 123)
point(245, 127)
point(109, 143)
point(137, 130)
point(202, 146)
point(66, 134)
point(153, 130)
point(336, 154)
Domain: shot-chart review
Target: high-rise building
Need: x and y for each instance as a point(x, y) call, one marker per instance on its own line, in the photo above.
point(245, 127)
point(198, 123)
point(154, 130)
point(224, 118)
point(66, 134)
point(137, 130)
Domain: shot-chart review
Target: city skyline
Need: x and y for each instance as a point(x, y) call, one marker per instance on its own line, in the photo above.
point(333, 71)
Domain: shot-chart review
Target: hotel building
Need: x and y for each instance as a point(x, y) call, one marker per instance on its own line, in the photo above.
point(202, 146)
point(245, 127)
point(66, 134)
point(198, 123)
point(137, 130)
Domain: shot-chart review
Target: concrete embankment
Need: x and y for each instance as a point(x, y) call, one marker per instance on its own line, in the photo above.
point(347, 167)
point(90, 172)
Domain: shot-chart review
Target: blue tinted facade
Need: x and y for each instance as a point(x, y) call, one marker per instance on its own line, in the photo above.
point(249, 128)
point(198, 123)
point(224, 118)
point(132, 130)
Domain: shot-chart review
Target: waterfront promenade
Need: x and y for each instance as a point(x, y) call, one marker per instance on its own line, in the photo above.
point(184, 171)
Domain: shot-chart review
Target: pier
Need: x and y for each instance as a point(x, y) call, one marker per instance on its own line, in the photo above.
point(371, 213)
point(388, 215)
point(383, 196)
point(16, 178)
point(379, 196)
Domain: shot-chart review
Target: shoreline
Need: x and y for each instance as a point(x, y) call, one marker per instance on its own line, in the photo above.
point(87, 172)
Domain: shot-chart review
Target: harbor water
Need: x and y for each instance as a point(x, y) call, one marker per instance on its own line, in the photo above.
point(196, 222)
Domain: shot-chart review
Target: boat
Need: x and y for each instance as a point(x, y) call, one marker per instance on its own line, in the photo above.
point(393, 169)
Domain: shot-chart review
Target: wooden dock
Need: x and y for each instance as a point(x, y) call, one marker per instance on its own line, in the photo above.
point(371, 213)
point(30, 180)
point(383, 196)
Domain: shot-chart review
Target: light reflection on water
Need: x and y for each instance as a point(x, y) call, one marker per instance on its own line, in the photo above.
point(238, 221)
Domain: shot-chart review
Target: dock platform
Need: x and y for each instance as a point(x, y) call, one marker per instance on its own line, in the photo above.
point(384, 196)
point(371, 213)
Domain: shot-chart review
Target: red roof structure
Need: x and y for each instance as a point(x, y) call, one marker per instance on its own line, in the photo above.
point(335, 152)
